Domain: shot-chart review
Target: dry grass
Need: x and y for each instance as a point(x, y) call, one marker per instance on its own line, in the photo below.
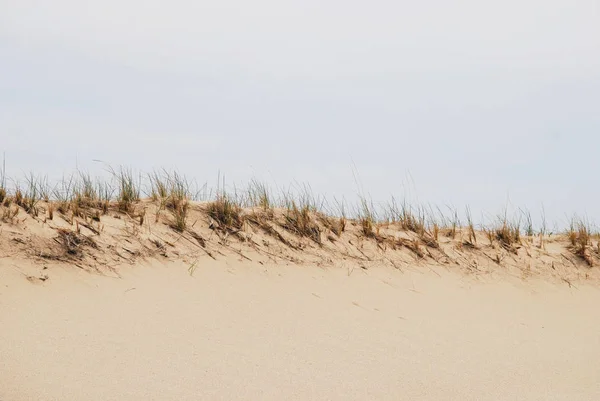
point(529, 230)
point(508, 233)
point(80, 199)
point(159, 186)
point(128, 189)
point(34, 192)
point(171, 191)
point(299, 221)
point(472, 236)
point(50, 210)
point(451, 224)
point(65, 194)
point(226, 213)
point(420, 221)
point(335, 225)
point(178, 200)
point(367, 219)
point(338, 223)
point(259, 196)
point(404, 215)
point(73, 242)
point(413, 245)
point(9, 213)
point(580, 238)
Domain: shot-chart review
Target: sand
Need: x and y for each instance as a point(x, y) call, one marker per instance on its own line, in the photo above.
point(259, 331)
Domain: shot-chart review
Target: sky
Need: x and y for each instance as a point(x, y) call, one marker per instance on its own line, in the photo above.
point(449, 103)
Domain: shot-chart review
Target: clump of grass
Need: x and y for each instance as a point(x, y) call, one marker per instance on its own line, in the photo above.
point(336, 220)
point(73, 242)
point(413, 245)
point(259, 196)
point(420, 221)
point(414, 220)
point(429, 232)
point(128, 189)
point(180, 212)
point(470, 228)
point(504, 234)
point(105, 193)
point(490, 234)
point(342, 219)
point(436, 232)
point(333, 224)
point(581, 240)
point(179, 191)
point(298, 220)
point(159, 187)
point(411, 222)
point(51, 210)
point(86, 191)
point(172, 192)
point(18, 198)
point(178, 200)
point(226, 212)
point(451, 224)
point(367, 219)
point(543, 229)
point(64, 194)
point(508, 233)
point(9, 213)
point(28, 198)
point(529, 231)
point(401, 214)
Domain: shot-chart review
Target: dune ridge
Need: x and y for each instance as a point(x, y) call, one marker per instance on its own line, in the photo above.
point(167, 298)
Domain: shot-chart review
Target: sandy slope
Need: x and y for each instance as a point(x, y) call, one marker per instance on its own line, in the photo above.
point(245, 331)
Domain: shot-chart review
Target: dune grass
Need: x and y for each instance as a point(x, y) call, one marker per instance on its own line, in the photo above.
point(580, 238)
point(295, 210)
point(226, 212)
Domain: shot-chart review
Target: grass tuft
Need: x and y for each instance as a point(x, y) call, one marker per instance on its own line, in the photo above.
point(178, 200)
point(226, 212)
point(259, 196)
point(298, 220)
point(472, 241)
point(509, 233)
point(367, 219)
point(128, 189)
point(580, 238)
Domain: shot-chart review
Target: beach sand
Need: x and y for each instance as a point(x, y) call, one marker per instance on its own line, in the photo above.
point(265, 331)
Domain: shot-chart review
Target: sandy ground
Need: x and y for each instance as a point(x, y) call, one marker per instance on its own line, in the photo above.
point(257, 332)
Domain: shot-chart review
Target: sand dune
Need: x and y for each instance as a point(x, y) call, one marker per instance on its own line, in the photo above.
point(242, 331)
point(139, 311)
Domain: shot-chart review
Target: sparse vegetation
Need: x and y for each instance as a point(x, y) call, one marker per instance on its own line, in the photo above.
point(367, 219)
point(509, 233)
point(259, 196)
point(472, 236)
point(9, 213)
point(128, 189)
point(178, 200)
point(226, 213)
point(580, 238)
point(83, 201)
point(298, 220)
point(529, 231)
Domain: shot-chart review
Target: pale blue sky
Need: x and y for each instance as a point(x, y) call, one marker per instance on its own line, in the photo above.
point(447, 102)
